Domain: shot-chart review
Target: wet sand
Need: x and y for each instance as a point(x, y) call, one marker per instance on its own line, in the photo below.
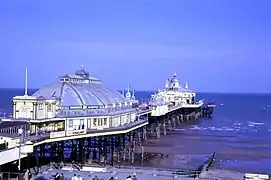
point(170, 153)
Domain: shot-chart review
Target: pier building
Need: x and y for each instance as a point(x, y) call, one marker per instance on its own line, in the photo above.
point(78, 120)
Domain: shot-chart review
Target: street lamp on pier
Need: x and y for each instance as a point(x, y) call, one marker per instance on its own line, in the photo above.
point(20, 131)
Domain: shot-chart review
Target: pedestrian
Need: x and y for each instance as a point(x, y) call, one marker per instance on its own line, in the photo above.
point(62, 176)
point(57, 176)
point(79, 177)
point(26, 175)
point(95, 178)
point(74, 177)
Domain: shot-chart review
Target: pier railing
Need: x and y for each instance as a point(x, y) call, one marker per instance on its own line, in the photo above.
point(93, 112)
point(98, 112)
point(98, 130)
point(195, 104)
point(39, 139)
point(57, 134)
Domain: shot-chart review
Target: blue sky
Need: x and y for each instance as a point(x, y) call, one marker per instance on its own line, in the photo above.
point(218, 46)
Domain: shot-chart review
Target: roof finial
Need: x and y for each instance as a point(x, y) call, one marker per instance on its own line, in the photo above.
point(186, 85)
point(82, 67)
point(167, 84)
point(175, 74)
point(133, 94)
point(26, 82)
point(123, 92)
point(128, 94)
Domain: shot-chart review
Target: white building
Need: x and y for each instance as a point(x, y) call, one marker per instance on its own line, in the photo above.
point(175, 94)
point(75, 101)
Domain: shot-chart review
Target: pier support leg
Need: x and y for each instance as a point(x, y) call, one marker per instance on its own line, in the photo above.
point(165, 129)
point(169, 125)
point(129, 153)
point(81, 154)
point(124, 155)
point(131, 146)
point(152, 130)
point(174, 122)
point(112, 148)
point(145, 133)
point(158, 131)
point(133, 151)
point(139, 136)
point(142, 154)
point(119, 148)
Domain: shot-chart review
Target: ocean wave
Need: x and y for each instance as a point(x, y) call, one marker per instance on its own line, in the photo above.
point(195, 127)
point(251, 127)
point(237, 124)
point(179, 129)
point(230, 129)
point(212, 128)
point(253, 123)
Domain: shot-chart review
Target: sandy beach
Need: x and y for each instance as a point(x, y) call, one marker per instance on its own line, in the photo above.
point(145, 174)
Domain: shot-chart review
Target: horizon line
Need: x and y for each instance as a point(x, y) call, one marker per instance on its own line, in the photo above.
point(206, 92)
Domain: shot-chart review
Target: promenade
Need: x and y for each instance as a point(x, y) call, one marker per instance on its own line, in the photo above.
point(141, 174)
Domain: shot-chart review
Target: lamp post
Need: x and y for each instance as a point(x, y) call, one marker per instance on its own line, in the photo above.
point(20, 131)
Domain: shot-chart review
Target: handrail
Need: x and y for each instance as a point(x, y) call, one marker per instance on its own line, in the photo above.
point(42, 137)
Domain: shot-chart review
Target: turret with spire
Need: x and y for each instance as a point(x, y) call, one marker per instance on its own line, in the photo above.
point(128, 93)
point(123, 92)
point(133, 94)
point(186, 85)
point(26, 83)
point(167, 84)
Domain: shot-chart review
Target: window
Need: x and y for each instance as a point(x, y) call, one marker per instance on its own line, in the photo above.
point(81, 122)
point(70, 123)
point(49, 107)
point(94, 122)
point(105, 121)
point(40, 106)
point(88, 123)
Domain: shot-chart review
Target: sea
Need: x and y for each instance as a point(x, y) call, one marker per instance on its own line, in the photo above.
point(239, 132)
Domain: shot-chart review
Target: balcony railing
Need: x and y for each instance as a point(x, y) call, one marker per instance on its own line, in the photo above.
point(185, 104)
point(94, 112)
point(41, 136)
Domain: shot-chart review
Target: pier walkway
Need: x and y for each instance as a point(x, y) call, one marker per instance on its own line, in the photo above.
point(12, 153)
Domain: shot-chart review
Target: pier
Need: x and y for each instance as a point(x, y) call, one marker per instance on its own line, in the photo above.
point(79, 121)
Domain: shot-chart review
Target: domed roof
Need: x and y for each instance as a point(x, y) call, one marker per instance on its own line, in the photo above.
point(80, 93)
point(174, 78)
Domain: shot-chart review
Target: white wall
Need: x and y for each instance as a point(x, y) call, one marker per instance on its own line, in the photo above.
point(23, 108)
point(30, 107)
point(159, 110)
point(46, 109)
point(11, 141)
point(10, 155)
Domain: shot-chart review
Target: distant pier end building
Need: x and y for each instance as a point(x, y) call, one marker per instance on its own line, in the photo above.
point(175, 97)
point(77, 119)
